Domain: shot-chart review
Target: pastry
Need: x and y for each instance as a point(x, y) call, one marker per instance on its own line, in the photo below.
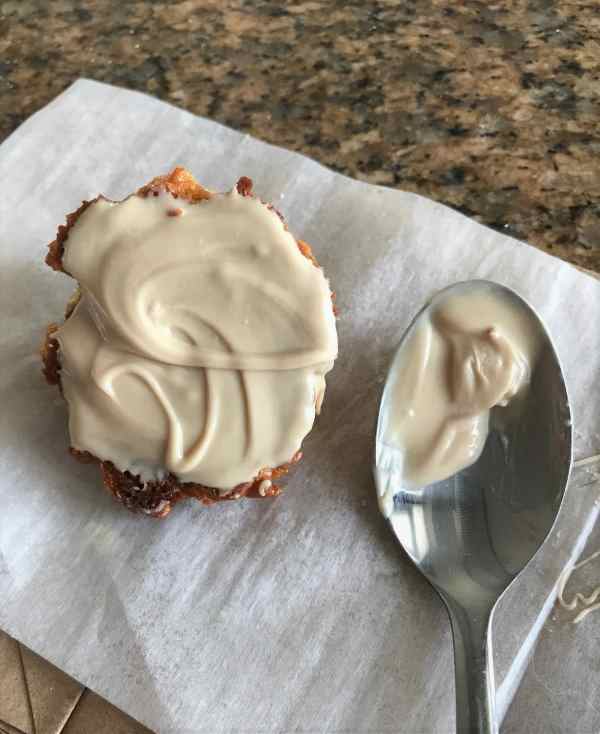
point(194, 351)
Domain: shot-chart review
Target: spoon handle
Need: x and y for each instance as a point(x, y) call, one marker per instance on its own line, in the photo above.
point(474, 671)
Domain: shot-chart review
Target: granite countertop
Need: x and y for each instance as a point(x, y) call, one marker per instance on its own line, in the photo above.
point(490, 107)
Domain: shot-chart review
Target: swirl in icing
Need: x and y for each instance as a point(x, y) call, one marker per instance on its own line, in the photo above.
point(201, 340)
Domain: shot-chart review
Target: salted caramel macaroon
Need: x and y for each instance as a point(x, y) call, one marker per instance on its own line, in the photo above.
point(193, 354)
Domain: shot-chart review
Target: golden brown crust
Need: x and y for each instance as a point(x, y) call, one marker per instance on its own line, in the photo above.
point(306, 250)
point(56, 248)
point(49, 352)
point(156, 498)
point(179, 183)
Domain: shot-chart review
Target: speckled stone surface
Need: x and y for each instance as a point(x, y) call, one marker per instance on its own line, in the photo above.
point(490, 107)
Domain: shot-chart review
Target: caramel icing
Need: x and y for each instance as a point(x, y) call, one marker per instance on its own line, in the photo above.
point(470, 351)
point(201, 339)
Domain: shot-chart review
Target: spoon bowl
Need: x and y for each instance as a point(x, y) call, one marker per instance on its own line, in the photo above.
point(474, 532)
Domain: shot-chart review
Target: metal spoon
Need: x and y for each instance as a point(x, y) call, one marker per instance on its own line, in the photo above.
point(472, 534)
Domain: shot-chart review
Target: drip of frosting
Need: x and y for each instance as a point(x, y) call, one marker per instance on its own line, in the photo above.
point(201, 339)
point(589, 603)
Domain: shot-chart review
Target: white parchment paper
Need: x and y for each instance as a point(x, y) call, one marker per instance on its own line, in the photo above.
point(299, 614)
